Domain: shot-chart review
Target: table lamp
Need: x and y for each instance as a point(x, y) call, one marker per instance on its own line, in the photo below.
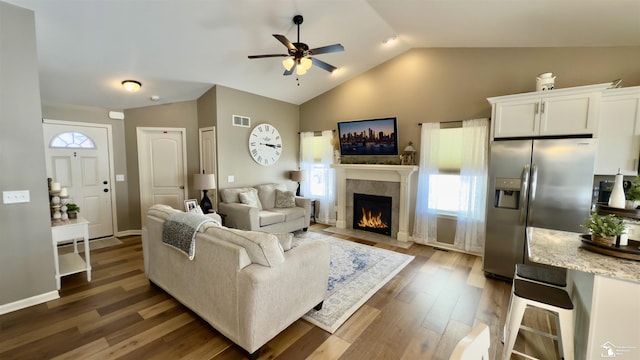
point(205, 182)
point(298, 176)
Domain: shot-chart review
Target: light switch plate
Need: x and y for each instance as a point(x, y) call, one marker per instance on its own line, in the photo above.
point(119, 177)
point(15, 197)
point(231, 178)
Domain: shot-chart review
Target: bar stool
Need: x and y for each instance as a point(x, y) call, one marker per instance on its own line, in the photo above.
point(548, 275)
point(527, 293)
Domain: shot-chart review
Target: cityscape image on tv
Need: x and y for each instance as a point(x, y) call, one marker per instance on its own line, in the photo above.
point(368, 137)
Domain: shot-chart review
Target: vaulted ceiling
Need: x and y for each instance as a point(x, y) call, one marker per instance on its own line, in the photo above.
point(180, 48)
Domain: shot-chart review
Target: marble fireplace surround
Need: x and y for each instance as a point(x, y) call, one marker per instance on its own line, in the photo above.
point(400, 174)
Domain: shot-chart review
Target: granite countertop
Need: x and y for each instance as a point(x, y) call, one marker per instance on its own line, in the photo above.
point(562, 249)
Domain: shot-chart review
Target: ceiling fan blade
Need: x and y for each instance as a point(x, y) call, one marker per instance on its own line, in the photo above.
point(323, 65)
point(267, 56)
point(326, 49)
point(290, 71)
point(283, 39)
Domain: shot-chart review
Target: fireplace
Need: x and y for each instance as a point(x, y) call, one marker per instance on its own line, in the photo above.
point(372, 213)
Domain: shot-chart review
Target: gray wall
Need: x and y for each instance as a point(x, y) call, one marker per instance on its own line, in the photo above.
point(233, 149)
point(430, 85)
point(26, 258)
point(101, 116)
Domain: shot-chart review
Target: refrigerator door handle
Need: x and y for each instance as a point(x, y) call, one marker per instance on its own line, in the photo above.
point(524, 188)
point(534, 185)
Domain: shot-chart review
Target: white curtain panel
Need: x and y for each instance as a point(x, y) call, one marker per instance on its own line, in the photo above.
point(327, 208)
point(426, 219)
point(470, 228)
point(306, 160)
point(326, 212)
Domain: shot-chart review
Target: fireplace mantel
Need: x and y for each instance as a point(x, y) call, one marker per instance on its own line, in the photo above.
point(392, 173)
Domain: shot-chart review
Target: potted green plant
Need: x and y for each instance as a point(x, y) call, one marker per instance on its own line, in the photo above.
point(72, 210)
point(633, 194)
point(604, 228)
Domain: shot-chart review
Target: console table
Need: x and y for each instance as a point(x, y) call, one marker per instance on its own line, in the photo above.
point(72, 263)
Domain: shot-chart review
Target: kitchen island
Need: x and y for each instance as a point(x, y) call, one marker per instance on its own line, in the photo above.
point(605, 291)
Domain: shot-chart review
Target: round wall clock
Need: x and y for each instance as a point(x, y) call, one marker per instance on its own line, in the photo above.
point(265, 144)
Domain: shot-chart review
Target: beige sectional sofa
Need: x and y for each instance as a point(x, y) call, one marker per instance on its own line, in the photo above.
point(268, 207)
point(241, 282)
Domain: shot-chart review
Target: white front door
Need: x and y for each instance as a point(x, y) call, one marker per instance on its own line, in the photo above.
point(162, 164)
point(77, 157)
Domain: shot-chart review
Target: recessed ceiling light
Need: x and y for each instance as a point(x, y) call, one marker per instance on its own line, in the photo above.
point(390, 39)
point(131, 85)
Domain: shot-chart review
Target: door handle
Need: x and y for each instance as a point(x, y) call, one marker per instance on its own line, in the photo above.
point(181, 187)
point(105, 190)
point(534, 185)
point(542, 110)
point(524, 187)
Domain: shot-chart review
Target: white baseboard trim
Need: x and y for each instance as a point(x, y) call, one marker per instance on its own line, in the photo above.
point(25, 303)
point(129, 233)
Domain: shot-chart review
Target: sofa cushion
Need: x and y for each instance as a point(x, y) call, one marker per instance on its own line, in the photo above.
point(250, 198)
point(268, 217)
point(267, 194)
point(230, 195)
point(290, 214)
point(161, 211)
point(285, 199)
point(263, 248)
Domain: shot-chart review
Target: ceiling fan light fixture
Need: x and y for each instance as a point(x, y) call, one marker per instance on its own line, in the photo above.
point(306, 63)
point(131, 85)
point(288, 63)
point(300, 70)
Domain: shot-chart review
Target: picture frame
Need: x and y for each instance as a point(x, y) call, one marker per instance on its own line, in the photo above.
point(190, 204)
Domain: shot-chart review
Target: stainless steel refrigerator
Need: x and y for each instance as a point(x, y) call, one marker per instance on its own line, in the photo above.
point(546, 183)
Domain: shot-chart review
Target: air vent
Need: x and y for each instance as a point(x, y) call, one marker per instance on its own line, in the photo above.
point(239, 120)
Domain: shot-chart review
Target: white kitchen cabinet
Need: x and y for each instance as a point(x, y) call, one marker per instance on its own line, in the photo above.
point(619, 132)
point(570, 111)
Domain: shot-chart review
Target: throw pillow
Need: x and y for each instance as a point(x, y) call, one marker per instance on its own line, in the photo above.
point(285, 199)
point(285, 240)
point(250, 198)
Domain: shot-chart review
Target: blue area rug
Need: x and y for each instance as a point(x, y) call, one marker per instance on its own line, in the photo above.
point(357, 272)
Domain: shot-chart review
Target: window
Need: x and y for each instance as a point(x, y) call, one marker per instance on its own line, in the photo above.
point(317, 178)
point(447, 197)
point(72, 139)
point(446, 184)
point(316, 157)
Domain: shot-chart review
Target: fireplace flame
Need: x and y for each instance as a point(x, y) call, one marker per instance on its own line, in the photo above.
point(370, 221)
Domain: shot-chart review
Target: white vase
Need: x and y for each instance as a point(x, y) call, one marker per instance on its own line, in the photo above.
point(617, 199)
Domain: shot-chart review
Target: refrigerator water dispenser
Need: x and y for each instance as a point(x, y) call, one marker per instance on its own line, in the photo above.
point(507, 193)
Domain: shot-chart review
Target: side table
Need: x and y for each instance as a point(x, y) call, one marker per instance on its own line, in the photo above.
point(313, 210)
point(71, 263)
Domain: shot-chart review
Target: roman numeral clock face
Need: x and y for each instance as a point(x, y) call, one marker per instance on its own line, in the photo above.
point(265, 144)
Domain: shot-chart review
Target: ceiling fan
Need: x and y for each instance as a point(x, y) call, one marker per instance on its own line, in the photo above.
point(299, 57)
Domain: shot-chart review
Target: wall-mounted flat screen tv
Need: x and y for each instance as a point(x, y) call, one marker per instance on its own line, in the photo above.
point(369, 137)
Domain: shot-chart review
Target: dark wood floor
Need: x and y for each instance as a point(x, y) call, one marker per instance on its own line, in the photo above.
point(420, 314)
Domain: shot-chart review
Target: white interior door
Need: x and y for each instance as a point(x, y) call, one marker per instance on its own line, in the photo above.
point(208, 158)
point(78, 158)
point(162, 164)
